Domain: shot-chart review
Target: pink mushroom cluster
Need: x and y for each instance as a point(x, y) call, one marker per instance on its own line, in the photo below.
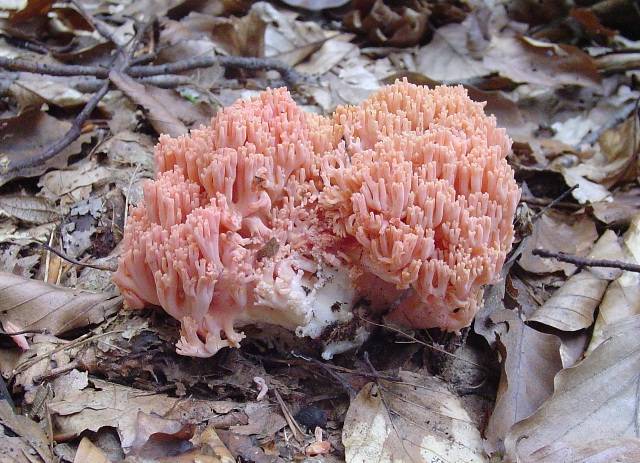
point(277, 216)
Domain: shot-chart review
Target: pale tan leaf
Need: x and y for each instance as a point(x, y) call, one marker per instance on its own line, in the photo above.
point(556, 232)
point(523, 59)
point(32, 437)
point(530, 360)
point(87, 452)
point(54, 90)
point(332, 52)
point(30, 209)
point(416, 420)
point(35, 305)
point(159, 112)
point(59, 183)
point(622, 299)
point(571, 308)
point(624, 206)
point(109, 404)
point(618, 450)
point(597, 399)
point(447, 56)
point(29, 134)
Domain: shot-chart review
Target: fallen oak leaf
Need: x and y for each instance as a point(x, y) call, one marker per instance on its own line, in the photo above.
point(35, 305)
point(572, 306)
point(413, 420)
point(27, 135)
point(596, 399)
point(87, 451)
point(167, 111)
point(523, 59)
point(529, 361)
point(31, 209)
point(109, 404)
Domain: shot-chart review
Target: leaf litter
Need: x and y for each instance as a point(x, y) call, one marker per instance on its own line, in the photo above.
point(551, 354)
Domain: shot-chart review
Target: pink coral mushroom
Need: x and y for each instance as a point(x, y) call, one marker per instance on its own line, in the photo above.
point(276, 216)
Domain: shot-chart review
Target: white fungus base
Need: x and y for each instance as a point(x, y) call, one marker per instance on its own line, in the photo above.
point(308, 304)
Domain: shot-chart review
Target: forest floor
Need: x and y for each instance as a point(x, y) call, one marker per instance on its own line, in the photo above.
point(549, 370)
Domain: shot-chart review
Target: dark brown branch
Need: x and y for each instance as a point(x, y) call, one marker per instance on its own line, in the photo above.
point(258, 64)
point(73, 261)
point(289, 75)
point(72, 134)
point(90, 85)
point(586, 262)
point(120, 62)
point(61, 70)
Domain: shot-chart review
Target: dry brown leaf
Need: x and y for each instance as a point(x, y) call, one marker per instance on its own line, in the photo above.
point(530, 360)
point(34, 305)
point(573, 346)
point(210, 443)
point(87, 452)
point(28, 9)
point(558, 233)
point(620, 146)
point(620, 450)
point(424, 422)
point(30, 436)
point(390, 25)
point(239, 36)
point(624, 205)
point(57, 91)
point(523, 59)
point(447, 57)
point(11, 262)
point(332, 52)
point(287, 38)
point(572, 307)
point(109, 404)
point(30, 209)
point(264, 420)
point(235, 36)
point(622, 299)
point(595, 400)
point(614, 161)
point(157, 437)
point(159, 112)
point(86, 173)
point(130, 148)
point(29, 134)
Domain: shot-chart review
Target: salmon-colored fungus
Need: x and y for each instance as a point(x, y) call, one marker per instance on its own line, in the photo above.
point(276, 216)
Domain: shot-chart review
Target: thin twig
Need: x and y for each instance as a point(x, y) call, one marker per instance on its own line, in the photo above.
point(553, 203)
point(334, 374)
point(414, 339)
point(298, 433)
point(72, 135)
point(73, 261)
point(586, 262)
point(387, 406)
point(43, 331)
point(542, 202)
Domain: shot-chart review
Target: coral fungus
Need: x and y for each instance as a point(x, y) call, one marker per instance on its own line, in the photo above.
point(276, 216)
